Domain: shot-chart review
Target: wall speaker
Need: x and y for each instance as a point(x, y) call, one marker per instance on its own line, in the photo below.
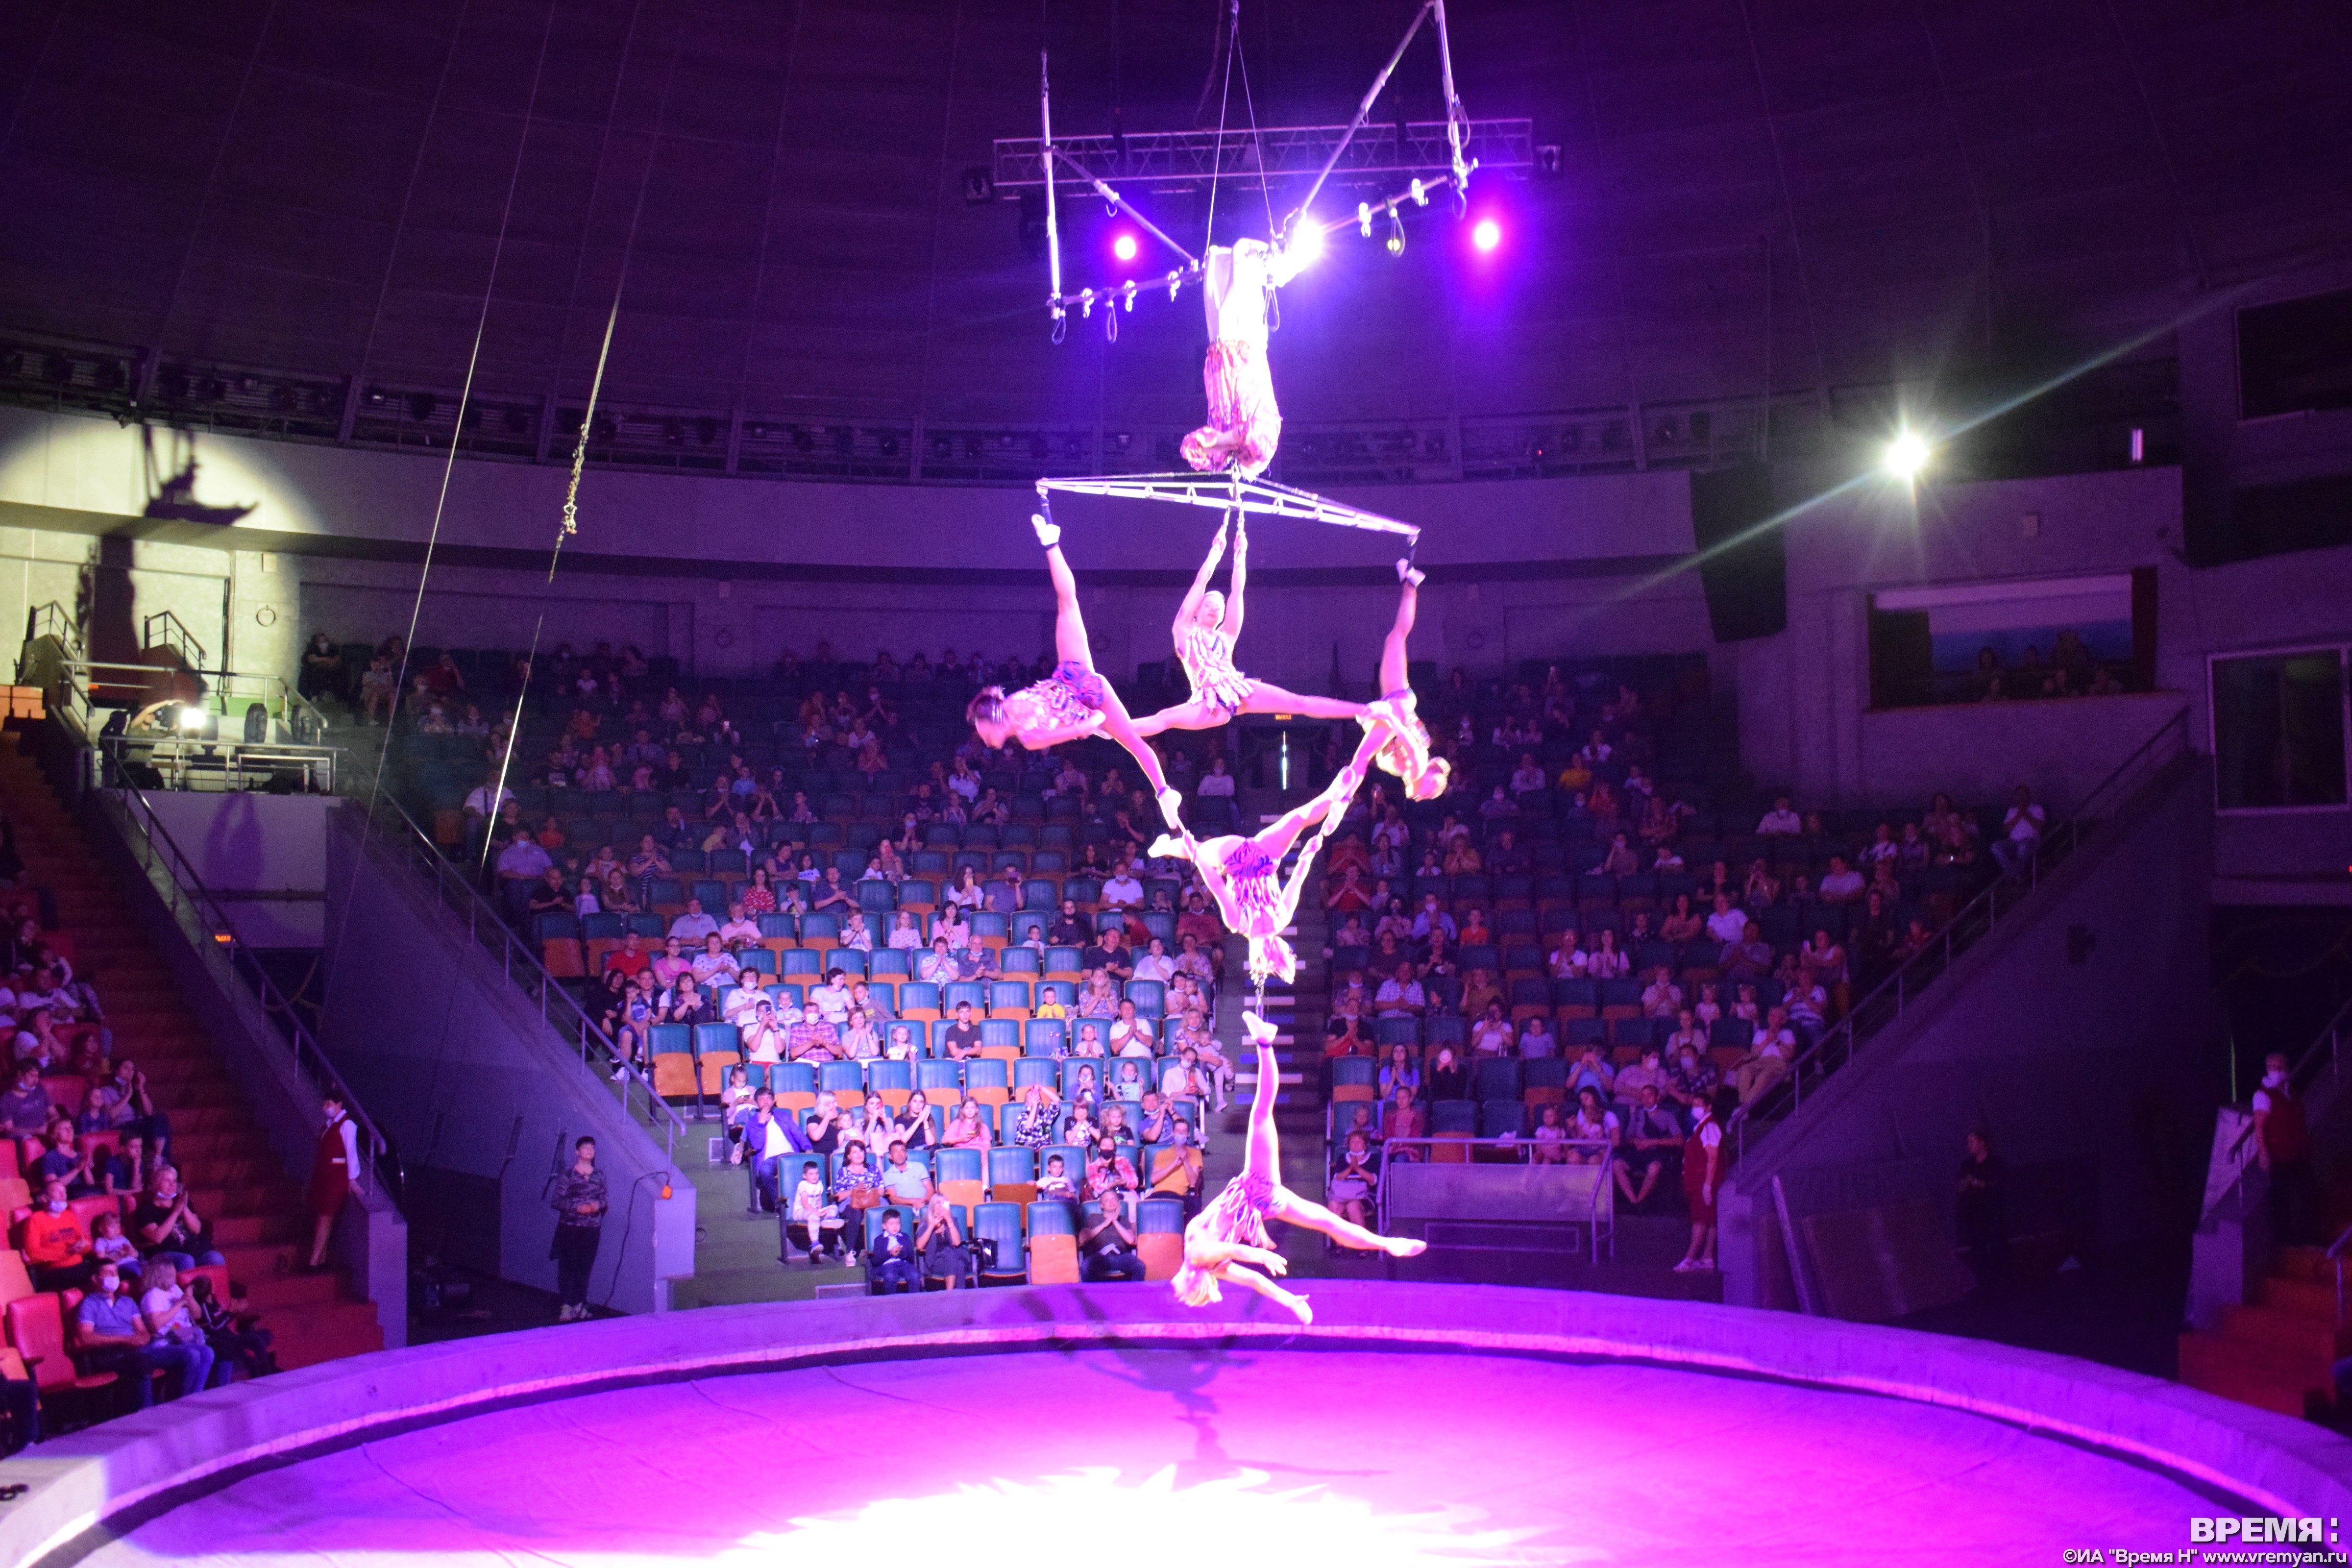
point(1743, 568)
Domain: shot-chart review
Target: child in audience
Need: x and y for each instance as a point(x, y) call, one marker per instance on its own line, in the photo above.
point(108, 1245)
point(1056, 1183)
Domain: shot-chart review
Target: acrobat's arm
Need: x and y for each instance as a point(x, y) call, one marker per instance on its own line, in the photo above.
point(1241, 576)
point(1192, 604)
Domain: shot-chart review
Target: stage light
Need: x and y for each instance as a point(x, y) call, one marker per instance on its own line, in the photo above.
point(1487, 234)
point(1306, 247)
point(1124, 247)
point(1907, 456)
point(191, 720)
point(1396, 234)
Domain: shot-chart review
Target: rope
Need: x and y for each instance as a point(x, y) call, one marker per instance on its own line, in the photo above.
point(1217, 162)
point(588, 416)
point(1257, 143)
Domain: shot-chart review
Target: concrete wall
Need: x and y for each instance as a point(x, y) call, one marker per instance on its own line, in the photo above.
point(1592, 540)
point(456, 1066)
point(263, 856)
point(2101, 1073)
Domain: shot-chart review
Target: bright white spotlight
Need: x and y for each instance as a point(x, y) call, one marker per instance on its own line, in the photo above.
point(1907, 456)
point(1486, 235)
point(1306, 247)
point(191, 720)
point(1124, 247)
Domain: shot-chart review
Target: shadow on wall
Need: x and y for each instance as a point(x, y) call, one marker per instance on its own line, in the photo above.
point(235, 837)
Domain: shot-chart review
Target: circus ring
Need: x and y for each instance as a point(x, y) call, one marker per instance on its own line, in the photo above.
point(1412, 1424)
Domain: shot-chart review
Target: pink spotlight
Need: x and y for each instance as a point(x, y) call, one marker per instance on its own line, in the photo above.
point(1124, 247)
point(1487, 234)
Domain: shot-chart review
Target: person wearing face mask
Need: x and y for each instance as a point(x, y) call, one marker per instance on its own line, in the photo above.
point(2283, 1149)
point(57, 1244)
point(1176, 1164)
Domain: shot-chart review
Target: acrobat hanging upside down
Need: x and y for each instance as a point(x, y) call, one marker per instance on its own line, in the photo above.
point(1244, 426)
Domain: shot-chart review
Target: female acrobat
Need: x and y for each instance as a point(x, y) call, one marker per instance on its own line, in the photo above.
point(1207, 626)
point(1244, 875)
point(1228, 1236)
point(1073, 702)
point(1407, 752)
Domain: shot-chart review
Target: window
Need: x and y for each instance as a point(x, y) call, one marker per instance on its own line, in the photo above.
point(2296, 356)
point(2279, 729)
point(2013, 639)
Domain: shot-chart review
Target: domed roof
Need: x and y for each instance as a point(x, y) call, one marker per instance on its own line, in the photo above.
point(1842, 191)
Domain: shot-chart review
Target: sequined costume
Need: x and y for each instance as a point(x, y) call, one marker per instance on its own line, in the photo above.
point(1206, 654)
point(1406, 752)
point(1244, 424)
point(1256, 911)
point(1069, 699)
point(1238, 1217)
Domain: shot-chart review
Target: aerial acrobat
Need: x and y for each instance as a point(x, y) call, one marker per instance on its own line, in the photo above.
point(1243, 873)
point(1228, 1236)
point(1073, 702)
point(1244, 422)
point(1407, 752)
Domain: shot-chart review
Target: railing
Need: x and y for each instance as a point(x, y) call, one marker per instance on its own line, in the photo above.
point(50, 620)
point(487, 926)
point(1525, 1151)
point(162, 629)
point(1975, 921)
point(151, 844)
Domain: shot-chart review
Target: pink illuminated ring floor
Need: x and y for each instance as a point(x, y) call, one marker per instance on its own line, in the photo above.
point(1414, 1424)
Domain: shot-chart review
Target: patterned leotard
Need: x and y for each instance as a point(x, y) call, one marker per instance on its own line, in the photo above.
point(1067, 699)
point(1407, 752)
point(1239, 1214)
point(1254, 909)
point(1207, 656)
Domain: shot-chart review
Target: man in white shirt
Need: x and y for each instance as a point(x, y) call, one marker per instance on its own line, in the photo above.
point(1122, 891)
point(1782, 820)
point(1129, 1035)
point(740, 930)
point(2021, 828)
point(486, 799)
point(1727, 923)
point(692, 926)
point(742, 1003)
point(1768, 1059)
point(1840, 884)
point(1401, 995)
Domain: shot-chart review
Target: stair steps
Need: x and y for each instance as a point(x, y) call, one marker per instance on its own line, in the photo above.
point(234, 1177)
point(2278, 1353)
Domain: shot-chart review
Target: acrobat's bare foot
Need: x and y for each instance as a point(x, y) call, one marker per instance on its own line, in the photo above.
point(1258, 1031)
point(1049, 535)
point(1403, 1246)
point(1167, 847)
point(1407, 572)
point(1172, 804)
point(1298, 1306)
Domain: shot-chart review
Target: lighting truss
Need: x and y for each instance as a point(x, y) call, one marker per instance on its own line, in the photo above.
point(1229, 492)
point(1190, 159)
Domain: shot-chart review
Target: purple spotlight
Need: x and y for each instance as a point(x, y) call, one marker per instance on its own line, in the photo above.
point(1124, 247)
point(1487, 234)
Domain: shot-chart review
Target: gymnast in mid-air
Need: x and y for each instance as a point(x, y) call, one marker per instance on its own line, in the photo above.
point(1207, 626)
point(1243, 873)
point(1407, 751)
point(1228, 1236)
point(1073, 702)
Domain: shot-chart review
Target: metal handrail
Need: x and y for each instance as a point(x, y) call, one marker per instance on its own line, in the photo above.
point(152, 844)
point(1526, 1146)
point(1977, 919)
point(176, 637)
point(557, 1007)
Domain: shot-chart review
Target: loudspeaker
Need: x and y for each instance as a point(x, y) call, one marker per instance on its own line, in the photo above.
point(1743, 568)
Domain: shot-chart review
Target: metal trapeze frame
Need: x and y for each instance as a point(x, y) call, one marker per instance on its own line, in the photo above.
point(1230, 492)
point(1457, 179)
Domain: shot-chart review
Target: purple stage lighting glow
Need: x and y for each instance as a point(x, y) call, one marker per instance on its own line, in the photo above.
point(1123, 248)
point(1487, 234)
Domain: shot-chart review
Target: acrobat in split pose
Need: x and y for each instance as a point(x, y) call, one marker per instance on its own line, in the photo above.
point(1228, 1236)
point(1406, 752)
point(1073, 702)
point(1207, 626)
point(1244, 426)
point(1244, 875)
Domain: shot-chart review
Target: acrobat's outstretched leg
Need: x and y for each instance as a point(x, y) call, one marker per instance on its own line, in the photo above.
point(1070, 644)
point(1261, 1156)
point(1395, 669)
point(1290, 1205)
